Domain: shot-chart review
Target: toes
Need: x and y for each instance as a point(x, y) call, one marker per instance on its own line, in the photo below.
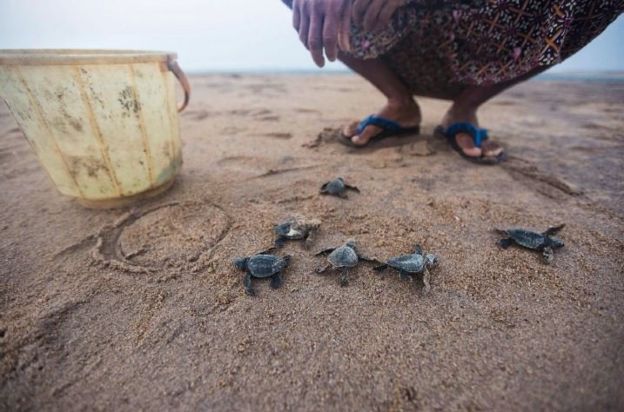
point(466, 143)
point(350, 130)
point(491, 149)
point(368, 133)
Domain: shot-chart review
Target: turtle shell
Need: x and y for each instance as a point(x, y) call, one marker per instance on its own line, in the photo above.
point(335, 187)
point(264, 266)
point(527, 238)
point(343, 257)
point(414, 263)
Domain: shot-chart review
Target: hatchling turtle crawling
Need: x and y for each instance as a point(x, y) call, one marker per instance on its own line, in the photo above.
point(296, 228)
point(413, 264)
point(544, 242)
point(262, 266)
point(342, 259)
point(338, 188)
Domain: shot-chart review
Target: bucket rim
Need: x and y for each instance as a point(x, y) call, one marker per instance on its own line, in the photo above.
point(39, 57)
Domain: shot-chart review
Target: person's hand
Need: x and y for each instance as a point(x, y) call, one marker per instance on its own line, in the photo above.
point(374, 15)
point(323, 25)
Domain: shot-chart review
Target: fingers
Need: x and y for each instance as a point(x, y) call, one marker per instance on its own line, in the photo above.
point(384, 18)
point(315, 39)
point(321, 25)
point(302, 21)
point(296, 16)
point(304, 31)
point(359, 9)
point(330, 36)
point(372, 13)
point(344, 31)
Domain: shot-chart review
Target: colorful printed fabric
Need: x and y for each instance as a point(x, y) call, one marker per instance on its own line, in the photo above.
point(438, 47)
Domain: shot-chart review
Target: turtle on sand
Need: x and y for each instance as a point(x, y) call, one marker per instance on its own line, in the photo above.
point(342, 259)
point(296, 228)
point(338, 188)
point(417, 263)
point(545, 242)
point(262, 266)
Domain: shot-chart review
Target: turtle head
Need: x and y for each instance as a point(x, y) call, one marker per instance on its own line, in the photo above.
point(431, 260)
point(282, 229)
point(286, 259)
point(352, 244)
point(241, 263)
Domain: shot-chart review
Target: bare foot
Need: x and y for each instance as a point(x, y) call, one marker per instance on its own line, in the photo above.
point(406, 113)
point(488, 148)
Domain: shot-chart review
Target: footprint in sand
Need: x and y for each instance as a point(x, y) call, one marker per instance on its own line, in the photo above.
point(278, 135)
point(245, 164)
point(198, 115)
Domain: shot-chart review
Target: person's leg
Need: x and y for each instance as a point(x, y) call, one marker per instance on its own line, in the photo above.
point(464, 109)
point(400, 106)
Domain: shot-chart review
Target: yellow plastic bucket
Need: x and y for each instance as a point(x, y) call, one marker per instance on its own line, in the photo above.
point(103, 123)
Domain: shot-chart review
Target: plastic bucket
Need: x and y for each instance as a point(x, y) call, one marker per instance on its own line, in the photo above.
point(103, 123)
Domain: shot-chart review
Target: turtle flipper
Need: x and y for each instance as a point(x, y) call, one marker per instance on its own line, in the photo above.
point(553, 230)
point(309, 240)
point(326, 251)
point(426, 281)
point(548, 254)
point(344, 277)
point(247, 283)
point(380, 268)
point(505, 243)
point(367, 258)
point(323, 269)
point(354, 188)
point(418, 250)
point(405, 276)
point(280, 242)
point(276, 281)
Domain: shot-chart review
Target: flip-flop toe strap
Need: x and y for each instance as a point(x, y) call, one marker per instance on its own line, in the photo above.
point(386, 124)
point(478, 135)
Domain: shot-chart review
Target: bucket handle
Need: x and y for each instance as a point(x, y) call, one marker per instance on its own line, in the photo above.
point(173, 65)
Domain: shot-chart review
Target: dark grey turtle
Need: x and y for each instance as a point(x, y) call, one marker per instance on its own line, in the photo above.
point(416, 263)
point(262, 266)
point(337, 187)
point(544, 242)
point(342, 259)
point(296, 228)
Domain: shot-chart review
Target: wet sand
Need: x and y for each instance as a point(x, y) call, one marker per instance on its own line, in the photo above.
point(142, 310)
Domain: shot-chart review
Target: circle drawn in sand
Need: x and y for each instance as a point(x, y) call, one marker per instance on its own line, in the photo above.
point(173, 236)
point(167, 237)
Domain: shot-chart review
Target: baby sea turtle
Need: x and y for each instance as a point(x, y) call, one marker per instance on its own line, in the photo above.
point(414, 264)
point(262, 266)
point(337, 187)
point(543, 242)
point(342, 259)
point(296, 228)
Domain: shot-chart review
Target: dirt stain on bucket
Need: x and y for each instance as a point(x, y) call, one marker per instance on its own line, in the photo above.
point(129, 102)
point(90, 166)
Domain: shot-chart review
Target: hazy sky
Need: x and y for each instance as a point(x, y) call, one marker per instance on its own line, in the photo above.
point(207, 34)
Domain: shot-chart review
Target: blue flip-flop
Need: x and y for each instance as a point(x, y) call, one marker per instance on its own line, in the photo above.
point(390, 128)
point(478, 137)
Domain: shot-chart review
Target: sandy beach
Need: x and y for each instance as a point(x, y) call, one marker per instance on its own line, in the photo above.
point(141, 309)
